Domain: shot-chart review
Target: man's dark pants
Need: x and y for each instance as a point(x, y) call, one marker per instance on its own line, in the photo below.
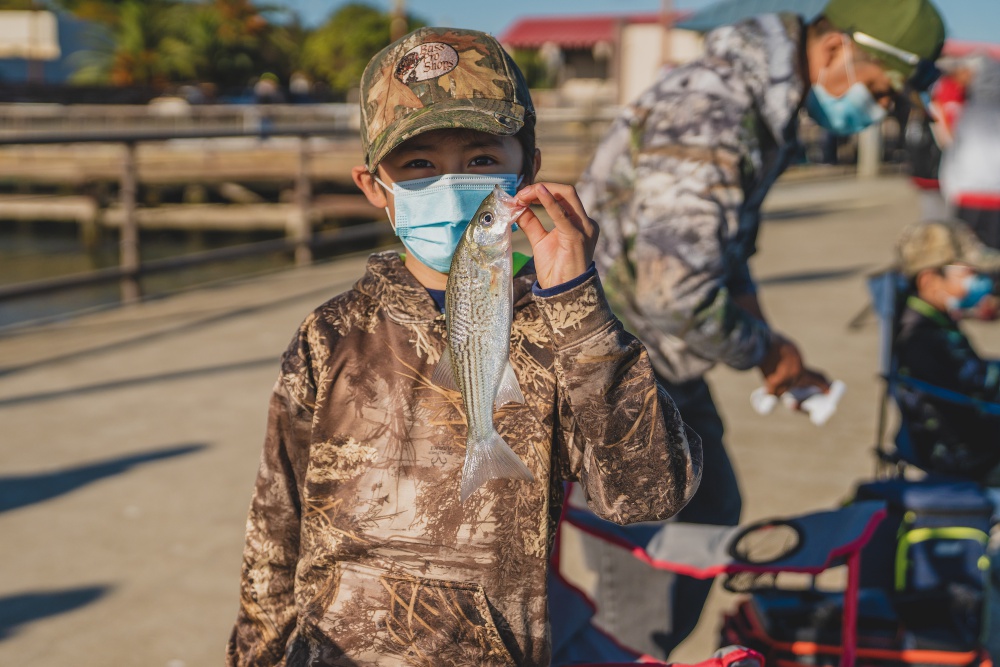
point(717, 502)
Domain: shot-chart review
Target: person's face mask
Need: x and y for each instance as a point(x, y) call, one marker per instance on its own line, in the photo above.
point(850, 113)
point(976, 287)
point(432, 213)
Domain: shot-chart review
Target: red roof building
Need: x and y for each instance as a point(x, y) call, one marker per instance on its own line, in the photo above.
point(954, 48)
point(603, 57)
point(571, 32)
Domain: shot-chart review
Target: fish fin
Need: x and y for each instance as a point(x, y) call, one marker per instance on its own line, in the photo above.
point(444, 374)
point(510, 390)
point(491, 459)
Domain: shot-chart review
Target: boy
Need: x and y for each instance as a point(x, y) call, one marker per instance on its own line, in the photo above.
point(945, 265)
point(358, 549)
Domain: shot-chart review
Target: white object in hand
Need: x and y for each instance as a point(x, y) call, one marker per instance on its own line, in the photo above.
point(821, 406)
point(816, 403)
point(762, 402)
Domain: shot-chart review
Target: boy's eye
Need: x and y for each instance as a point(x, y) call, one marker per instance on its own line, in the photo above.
point(419, 164)
point(482, 161)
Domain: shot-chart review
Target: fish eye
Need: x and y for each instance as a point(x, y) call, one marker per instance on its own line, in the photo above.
point(486, 218)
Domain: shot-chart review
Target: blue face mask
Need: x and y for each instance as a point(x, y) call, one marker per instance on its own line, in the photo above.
point(850, 113)
point(432, 213)
point(977, 287)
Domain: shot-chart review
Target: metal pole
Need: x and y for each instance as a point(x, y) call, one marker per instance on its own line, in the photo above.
point(301, 225)
point(870, 152)
point(667, 19)
point(398, 23)
point(130, 255)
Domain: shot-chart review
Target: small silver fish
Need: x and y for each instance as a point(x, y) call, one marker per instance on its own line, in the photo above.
point(479, 310)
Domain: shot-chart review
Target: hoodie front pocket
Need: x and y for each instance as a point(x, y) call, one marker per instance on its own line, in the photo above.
point(378, 617)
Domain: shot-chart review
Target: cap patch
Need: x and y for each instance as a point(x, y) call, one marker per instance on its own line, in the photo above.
point(426, 61)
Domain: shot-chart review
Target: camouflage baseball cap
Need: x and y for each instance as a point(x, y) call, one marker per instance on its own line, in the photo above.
point(933, 244)
point(438, 78)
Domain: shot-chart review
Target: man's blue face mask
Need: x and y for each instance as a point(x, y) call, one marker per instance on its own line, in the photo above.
point(432, 213)
point(850, 113)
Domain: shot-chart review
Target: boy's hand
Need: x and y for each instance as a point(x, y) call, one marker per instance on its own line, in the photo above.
point(567, 251)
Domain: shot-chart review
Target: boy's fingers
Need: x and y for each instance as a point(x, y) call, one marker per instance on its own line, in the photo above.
point(532, 227)
point(555, 210)
point(574, 218)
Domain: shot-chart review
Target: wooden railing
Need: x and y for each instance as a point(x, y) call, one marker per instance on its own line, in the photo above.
point(567, 136)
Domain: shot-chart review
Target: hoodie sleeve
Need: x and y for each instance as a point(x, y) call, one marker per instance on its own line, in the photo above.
point(268, 612)
point(619, 433)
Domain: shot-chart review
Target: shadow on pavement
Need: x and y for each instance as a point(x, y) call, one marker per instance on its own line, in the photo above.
point(24, 608)
point(22, 490)
point(138, 381)
point(222, 315)
point(796, 213)
point(809, 276)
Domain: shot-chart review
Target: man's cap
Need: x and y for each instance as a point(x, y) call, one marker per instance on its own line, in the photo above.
point(905, 35)
point(439, 78)
point(936, 243)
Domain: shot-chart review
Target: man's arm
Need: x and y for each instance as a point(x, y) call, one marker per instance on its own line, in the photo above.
point(268, 612)
point(686, 202)
point(619, 432)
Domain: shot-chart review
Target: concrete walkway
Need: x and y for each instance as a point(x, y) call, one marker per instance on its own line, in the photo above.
point(130, 437)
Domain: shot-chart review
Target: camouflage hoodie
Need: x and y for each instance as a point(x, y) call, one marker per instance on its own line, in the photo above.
point(677, 184)
point(358, 550)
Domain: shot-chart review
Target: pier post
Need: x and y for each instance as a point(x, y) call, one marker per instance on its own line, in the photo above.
point(300, 227)
point(129, 242)
point(870, 152)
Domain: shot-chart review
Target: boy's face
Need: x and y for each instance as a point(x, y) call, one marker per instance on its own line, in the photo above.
point(440, 152)
point(937, 287)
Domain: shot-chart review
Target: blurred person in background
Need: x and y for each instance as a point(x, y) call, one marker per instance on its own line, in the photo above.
point(677, 184)
point(267, 90)
point(947, 267)
point(929, 131)
point(949, 96)
point(970, 168)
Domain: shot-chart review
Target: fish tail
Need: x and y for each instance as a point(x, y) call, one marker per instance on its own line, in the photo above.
point(490, 458)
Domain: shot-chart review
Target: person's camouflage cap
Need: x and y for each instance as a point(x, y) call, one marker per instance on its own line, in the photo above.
point(933, 244)
point(438, 78)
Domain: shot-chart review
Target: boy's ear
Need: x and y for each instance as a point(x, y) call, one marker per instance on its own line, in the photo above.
point(925, 280)
point(366, 182)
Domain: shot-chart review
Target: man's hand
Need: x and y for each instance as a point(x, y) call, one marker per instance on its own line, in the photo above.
point(783, 369)
point(567, 251)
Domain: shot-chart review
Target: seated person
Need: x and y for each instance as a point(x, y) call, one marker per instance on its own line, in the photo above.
point(946, 267)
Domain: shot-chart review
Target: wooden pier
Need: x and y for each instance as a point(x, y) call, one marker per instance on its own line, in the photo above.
point(131, 436)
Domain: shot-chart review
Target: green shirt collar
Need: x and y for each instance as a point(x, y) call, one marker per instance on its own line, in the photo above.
point(929, 311)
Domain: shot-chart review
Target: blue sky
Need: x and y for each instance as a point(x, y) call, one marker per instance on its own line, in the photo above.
point(977, 20)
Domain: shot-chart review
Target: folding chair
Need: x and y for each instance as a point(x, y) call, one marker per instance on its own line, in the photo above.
point(807, 544)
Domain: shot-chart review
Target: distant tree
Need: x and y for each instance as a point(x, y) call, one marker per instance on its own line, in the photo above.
point(146, 46)
point(232, 41)
point(20, 4)
point(338, 51)
point(161, 42)
point(533, 66)
point(102, 11)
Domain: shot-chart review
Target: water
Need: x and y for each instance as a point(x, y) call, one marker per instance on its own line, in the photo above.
point(46, 250)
